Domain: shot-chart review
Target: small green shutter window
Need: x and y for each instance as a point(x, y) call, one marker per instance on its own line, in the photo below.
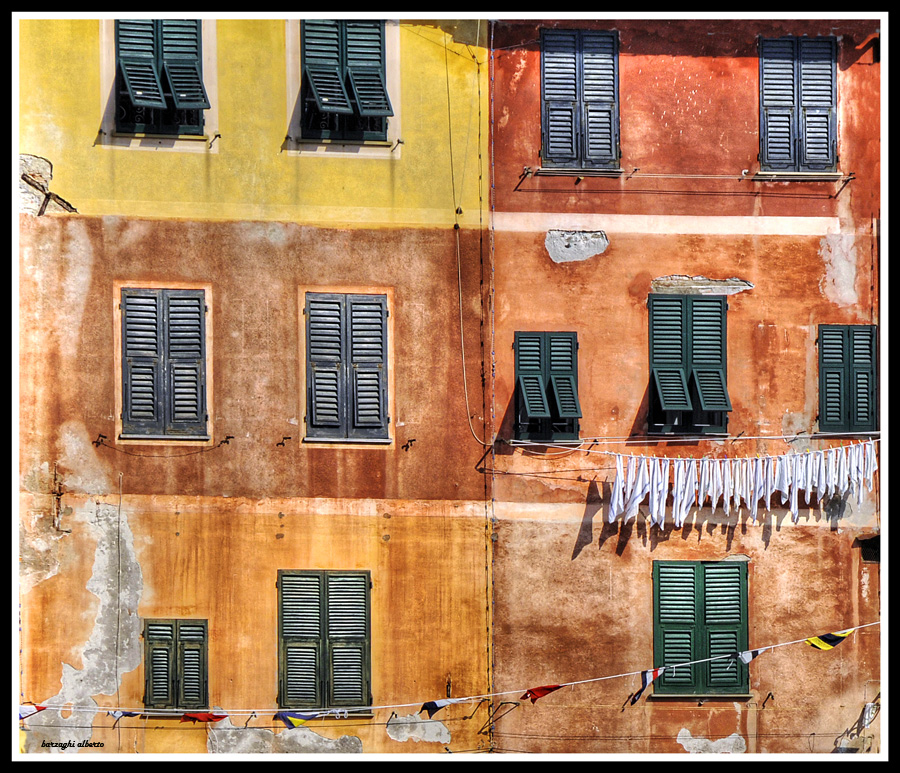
point(346, 366)
point(547, 401)
point(175, 664)
point(798, 104)
point(848, 378)
point(579, 99)
point(324, 656)
point(700, 614)
point(688, 363)
point(164, 364)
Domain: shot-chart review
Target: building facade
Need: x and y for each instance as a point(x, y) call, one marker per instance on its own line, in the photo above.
point(345, 347)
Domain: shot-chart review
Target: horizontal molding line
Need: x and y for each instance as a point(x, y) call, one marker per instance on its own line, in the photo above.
point(667, 224)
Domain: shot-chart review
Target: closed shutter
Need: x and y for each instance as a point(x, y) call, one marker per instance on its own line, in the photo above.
point(563, 371)
point(192, 661)
point(560, 73)
point(159, 664)
point(778, 104)
point(138, 59)
point(323, 65)
point(818, 103)
point(301, 624)
point(863, 378)
point(708, 351)
point(142, 366)
point(848, 378)
point(176, 664)
point(600, 97)
point(833, 360)
point(366, 67)
point(724, 607)
point(183, 62)
point(348, 618)
point(677, 612)
point(324, 361)
point(529, 348)
point(367, 322)
point(669, 351)
point(186, 353)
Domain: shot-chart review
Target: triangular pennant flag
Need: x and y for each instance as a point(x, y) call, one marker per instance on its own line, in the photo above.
point(202, 717)
point(646, 678)
point(747, 655)
point(27, 711)
point(294, 718)
point(539, 692)
point(119, 714)
point(433, 707)
point(828, 641)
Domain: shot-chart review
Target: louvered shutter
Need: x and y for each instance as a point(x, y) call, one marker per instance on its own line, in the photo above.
point(669, 351)
point(560, 72)
point(818, 103)
point(183, 62)
point(863, 378)
point(137, 54)
point(300, 627)
point(365, 61)
point(562, 352)
point(833, 362)
point(530, 381)
point(725, 625)
point(325, 347)
point(160, 671)
point(600, 98)
point(848, 378)
point(708, 351)
point(347, 638)
point(367, 322)
point(677, 615)
point(778, 104)
point(323, 65)
point(185, 314)
point(142, 366)
point(192, 664)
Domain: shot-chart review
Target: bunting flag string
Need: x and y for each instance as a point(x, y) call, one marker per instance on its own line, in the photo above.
point(826, 642)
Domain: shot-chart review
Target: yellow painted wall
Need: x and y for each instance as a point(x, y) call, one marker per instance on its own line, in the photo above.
point(250, 172)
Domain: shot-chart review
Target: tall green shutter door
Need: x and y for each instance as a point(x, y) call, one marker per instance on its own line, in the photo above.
point(300, 622)
point(848, 378)
point(676, 616)
point(367, 324)
point(863, 378)
point(185, 315)
point(348, 638)
point(724, 609)
point(818, 103)
point(600, 97)
point(142, 366)
point(560, 72)
point(778, 103)
point(833, 368)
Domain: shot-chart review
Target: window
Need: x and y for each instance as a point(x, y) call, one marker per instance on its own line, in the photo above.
point(688, 373)
point(700, 612)
point(159, 77)
point(163, 364)
point(848, 378)
point(344, 92)
point(579, 99)
point(346, 367)
point(547, 406)
point(175, 664)
point(798, 104)
point(324, 641)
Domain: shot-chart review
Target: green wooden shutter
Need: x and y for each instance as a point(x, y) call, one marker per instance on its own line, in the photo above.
point(348, 638)
point(677, 616)
point(725, 626)
point(366, 317)
point(778, 104)
point(560, 72)
point(192, 664)
point(185, 314)
point(142, 366)
point(562, 349)
point(600, 97)
point(366, 67)
point(708, 351)
point(833, 365)
point(323, 65)
point(530, 377)
point(300, 622)
point(863, 378)
point(325, 352)
point(669, 351)
point(848, 378)
point(818, 103)
point(137, 54)
point(160, 670)
point(183, 62)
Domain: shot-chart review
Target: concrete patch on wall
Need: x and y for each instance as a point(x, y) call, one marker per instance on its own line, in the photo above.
point(225, 738)
point(118, 582)
point(680, 284)
point(413, 728)
point(569, 246)
point(733, 744)
point(838, 283)
point(38, 549)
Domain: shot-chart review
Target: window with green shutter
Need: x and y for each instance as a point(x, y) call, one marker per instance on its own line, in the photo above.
point(579, 99)
point(344, 92)
point(346, 367)
point(175, 664)
point(163, 364)
point(546, 395)
point(848, 378)
point(159, 76)
point(798, 104)
point(688, 364)
point(324, 639)
point(700, 614)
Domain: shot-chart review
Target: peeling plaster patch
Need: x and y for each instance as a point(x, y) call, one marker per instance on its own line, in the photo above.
point(38, 550)
point(838, 284)
point(118, 582)
point(86, 473)
point(413, 727)
point(225, 738)
point(680, 284)
point(733, 744)
point(568, 246)
point(35, 196)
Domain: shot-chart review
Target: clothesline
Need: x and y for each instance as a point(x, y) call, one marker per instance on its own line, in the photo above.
point(325, 713)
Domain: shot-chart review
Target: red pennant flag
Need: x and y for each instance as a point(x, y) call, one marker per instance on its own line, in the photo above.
point(202, 717)
point(539, 692)
point(646, 678)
